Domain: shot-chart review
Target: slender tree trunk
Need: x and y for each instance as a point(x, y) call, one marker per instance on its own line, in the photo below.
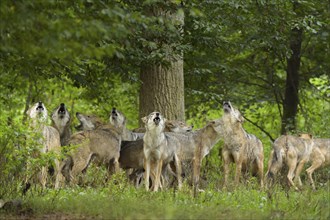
point(27, 100)
point(291, 99)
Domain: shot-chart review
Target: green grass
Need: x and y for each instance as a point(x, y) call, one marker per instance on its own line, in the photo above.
point(119, 200)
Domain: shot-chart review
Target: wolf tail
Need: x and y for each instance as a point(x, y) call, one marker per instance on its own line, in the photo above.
point(276, 160)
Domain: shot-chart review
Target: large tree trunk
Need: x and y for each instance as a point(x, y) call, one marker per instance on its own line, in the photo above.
point(162, 90)
point(291, 99)
point(162, 86)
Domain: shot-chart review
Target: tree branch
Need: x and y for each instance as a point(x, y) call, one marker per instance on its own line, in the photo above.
point(258, 126)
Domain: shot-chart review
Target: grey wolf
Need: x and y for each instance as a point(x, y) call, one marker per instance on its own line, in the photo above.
point(320, 157)
point(101, 145)
point(194, 146)
point(190, 146)
point(244, 149)
point(50, 140)
point(159, 150)
point(294, 152)
point(131, 152)
point(88, 122)
point(131, 159)
point(118, 118)
point(61, 121)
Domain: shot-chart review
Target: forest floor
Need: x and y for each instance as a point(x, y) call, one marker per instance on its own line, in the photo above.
point(121, 201)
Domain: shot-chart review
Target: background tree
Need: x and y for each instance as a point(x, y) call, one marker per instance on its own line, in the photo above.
point(161, 72)
point(240, 52)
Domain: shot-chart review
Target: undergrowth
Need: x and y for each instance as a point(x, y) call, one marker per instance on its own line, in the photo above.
point(117, 199)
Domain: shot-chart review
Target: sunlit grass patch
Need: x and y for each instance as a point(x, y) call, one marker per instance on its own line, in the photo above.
point(116, 198)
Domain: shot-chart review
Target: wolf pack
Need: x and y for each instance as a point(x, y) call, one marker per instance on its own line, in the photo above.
point(157, 155)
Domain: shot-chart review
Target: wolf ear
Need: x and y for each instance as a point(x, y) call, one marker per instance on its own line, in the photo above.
point(306, 136)
point(241, 119)
point(169, 123)
point(215, 123)
point(144, 119)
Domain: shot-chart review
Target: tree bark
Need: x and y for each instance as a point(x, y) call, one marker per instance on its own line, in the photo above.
point(162, 86)
point(162, 90)
point(291, 99)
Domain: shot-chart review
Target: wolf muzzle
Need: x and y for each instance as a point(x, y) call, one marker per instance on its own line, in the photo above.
point(114, 113)
point(157, 119)
point(226, 106)
point(62, 109)
point(40, 107)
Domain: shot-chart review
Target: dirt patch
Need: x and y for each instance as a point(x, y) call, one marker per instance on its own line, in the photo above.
point(61, 216)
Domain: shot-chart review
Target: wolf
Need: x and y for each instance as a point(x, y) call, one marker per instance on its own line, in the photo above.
point(243, 149)
point(117, 117)
point(158, 150)
point(131, 159)
point(320, 157)
point(294, 152)
point(192, 146)
point(131, 152)
point(61, 121)
point(101, 145)
point(195, 145)
point(91, 122)
point(50, 140)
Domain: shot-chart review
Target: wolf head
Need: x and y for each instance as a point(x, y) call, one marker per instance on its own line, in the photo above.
point(233, 114)
point(38, 112)
point(216, 125)
point(117, 119)
point(87, 122)
point(154, 120)
point(177, 126)
point(61, 117)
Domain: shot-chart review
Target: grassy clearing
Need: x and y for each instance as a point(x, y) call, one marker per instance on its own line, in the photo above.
point(119, 200)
